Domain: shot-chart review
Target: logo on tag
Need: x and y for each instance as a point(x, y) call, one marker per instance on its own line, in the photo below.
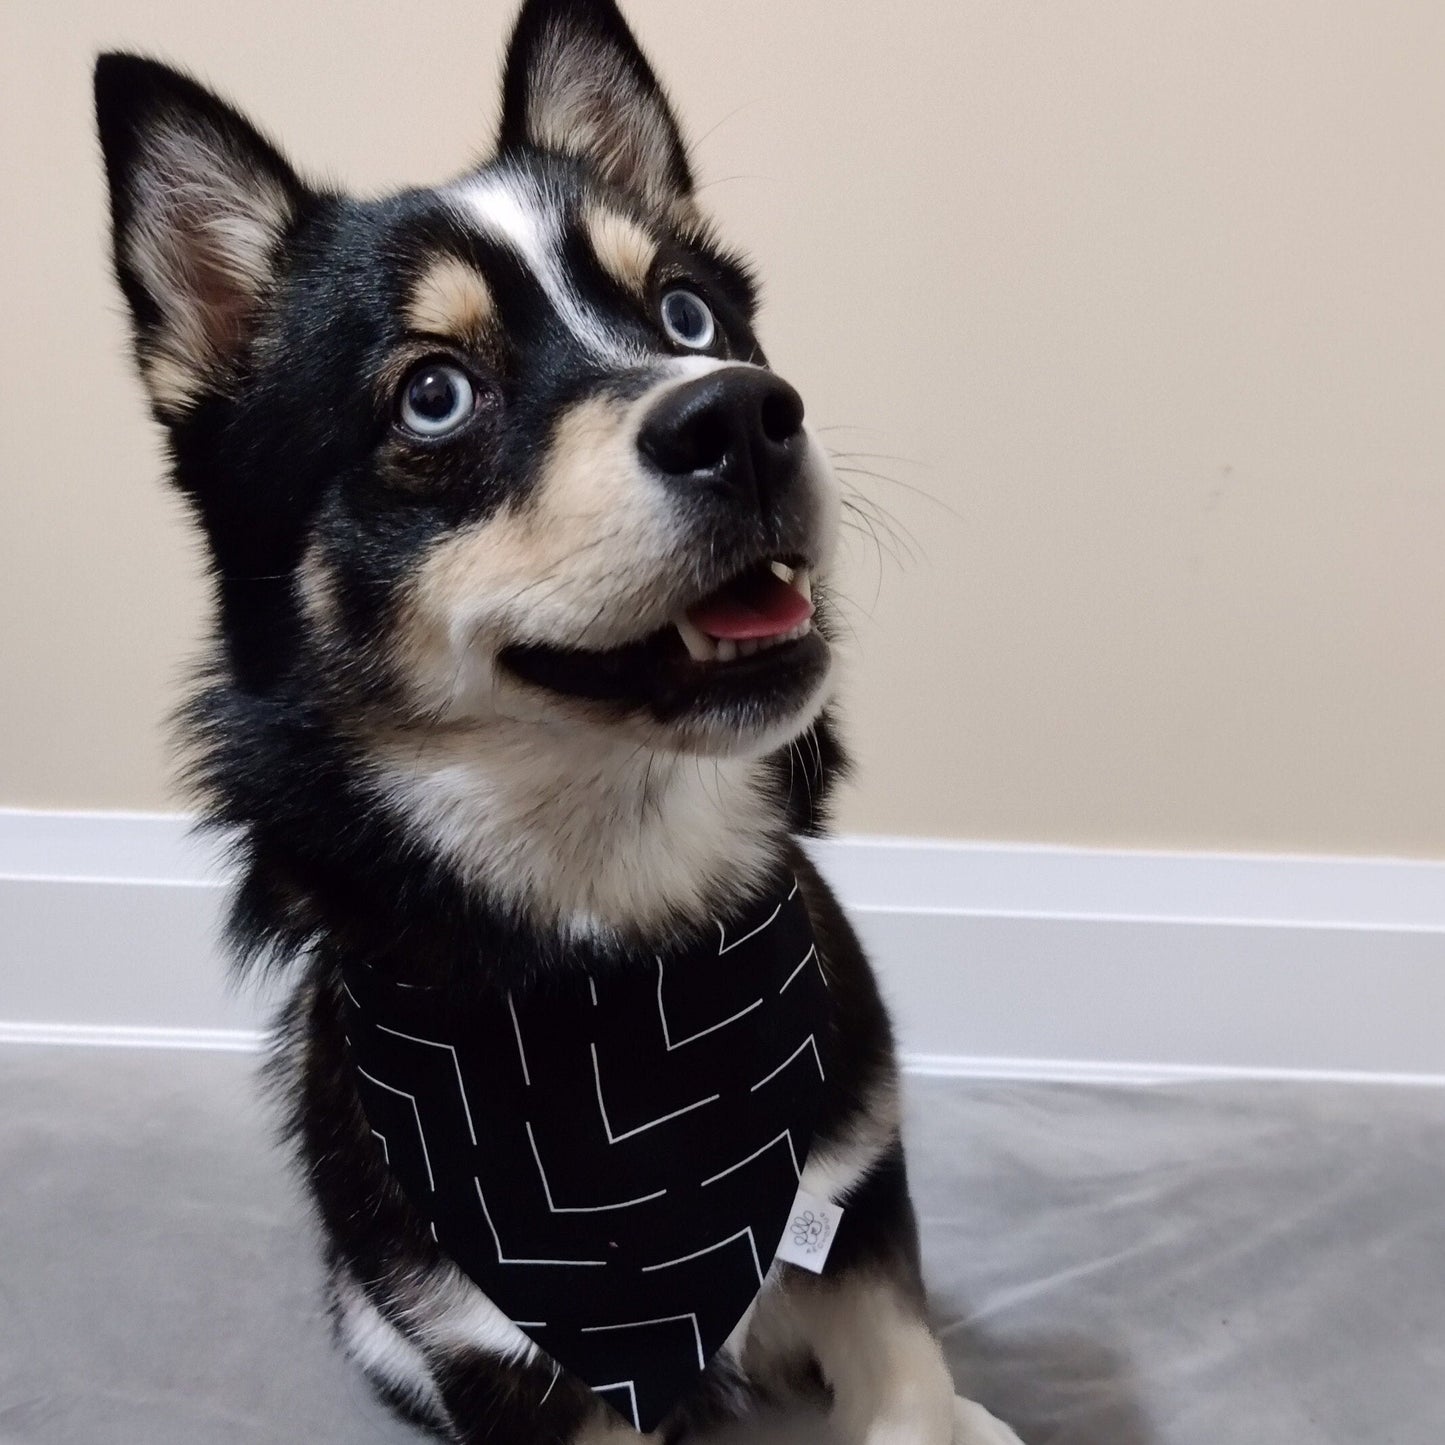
point(812, 1227)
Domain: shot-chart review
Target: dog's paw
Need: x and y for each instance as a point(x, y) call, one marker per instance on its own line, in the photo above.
point(973, 1425)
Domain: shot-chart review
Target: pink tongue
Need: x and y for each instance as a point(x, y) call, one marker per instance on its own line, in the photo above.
point(758, 605)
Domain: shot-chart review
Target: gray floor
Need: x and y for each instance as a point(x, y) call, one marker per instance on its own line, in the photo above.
point(1211, 1265)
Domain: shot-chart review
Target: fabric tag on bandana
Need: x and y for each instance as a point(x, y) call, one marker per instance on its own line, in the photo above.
point(812, 1227)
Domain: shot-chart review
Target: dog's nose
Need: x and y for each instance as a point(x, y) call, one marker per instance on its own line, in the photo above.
point(738, 430)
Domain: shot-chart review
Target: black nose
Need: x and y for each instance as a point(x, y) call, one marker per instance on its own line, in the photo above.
point(738, 430)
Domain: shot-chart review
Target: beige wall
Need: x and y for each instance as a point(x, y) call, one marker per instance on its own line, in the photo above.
point(1151, 296)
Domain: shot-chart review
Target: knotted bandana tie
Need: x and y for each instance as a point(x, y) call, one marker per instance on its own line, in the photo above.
point(612, 1157)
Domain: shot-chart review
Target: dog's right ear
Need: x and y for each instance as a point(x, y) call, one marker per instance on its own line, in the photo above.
point(200, 204)
point(576, 82)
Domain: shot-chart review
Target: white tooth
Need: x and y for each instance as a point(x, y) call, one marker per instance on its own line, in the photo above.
point(803, 581)
point(782, 571)
point(748, 645)
point(699, 645)
point(727, 649)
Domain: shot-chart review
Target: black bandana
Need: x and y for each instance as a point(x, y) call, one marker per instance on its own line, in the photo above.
point(611, 1158)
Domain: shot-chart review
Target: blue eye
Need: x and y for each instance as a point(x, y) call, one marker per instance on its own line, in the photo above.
point(436, 399)
point(688, 320)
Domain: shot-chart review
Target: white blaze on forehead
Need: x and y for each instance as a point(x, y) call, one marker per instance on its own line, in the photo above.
point(516, 211)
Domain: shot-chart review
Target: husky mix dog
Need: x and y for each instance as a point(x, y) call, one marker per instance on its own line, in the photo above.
point(520, 559)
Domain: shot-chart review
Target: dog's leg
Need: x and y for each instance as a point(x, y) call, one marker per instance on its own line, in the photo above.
point(973, 1425)
point(442, 1355)
point(886, 1370)
point(393, 1365)
point(613, 1432)
point(890, 1384)
point(865, 1326)
point(492, 1402)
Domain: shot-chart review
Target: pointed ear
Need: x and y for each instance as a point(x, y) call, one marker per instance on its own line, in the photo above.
point(577, 83)
point(200, 204)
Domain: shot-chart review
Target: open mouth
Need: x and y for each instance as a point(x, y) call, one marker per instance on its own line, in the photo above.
point(750, 642)
point(767, 606)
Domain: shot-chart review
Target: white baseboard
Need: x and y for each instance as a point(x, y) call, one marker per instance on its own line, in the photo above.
point(999, 962)
point(124, 1036)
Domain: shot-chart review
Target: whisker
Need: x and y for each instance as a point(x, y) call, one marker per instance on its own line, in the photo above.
point(898, 482)
point(864, 528)
point(725, 180)
point(713, 129)
point(866, 510)
point(882, 457)
point(853, 604)
point(861, 502)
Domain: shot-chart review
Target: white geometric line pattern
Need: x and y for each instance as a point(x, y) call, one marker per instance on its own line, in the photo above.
point(758, 1154)
point(456, 1064)
point(692, 1174)
point(641, 1128)
point(629, 1385)
point(808, 1042)
point(420, 1132)
point(811, 954)
point(721, 1244)
point(576, 1209)
point(641, 1324)
point(701, 1033)
point(522, 1053)
point(502, 1258)
point(725, 947)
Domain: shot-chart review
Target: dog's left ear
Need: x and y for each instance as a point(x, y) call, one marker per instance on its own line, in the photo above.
point(576, 82)
point(200, 205)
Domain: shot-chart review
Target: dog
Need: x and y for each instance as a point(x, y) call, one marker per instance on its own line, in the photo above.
point(518, 704)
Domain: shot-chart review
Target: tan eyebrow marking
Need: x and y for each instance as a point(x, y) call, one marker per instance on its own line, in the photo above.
point(451, 298)
point(623, 246)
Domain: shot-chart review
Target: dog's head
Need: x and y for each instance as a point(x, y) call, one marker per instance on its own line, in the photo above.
point(505, 448)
